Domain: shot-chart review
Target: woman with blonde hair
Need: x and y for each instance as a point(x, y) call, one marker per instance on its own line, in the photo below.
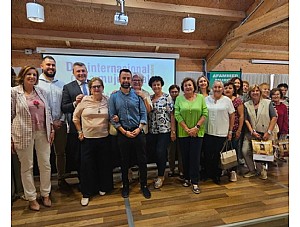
point(31, 127)
point(260, 119)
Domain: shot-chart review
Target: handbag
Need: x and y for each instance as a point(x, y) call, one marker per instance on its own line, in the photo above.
point(112, 130)
point(263, 150)
point(228, 158)
point(283, 146)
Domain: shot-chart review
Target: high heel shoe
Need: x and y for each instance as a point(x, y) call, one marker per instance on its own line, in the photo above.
point(34, 205)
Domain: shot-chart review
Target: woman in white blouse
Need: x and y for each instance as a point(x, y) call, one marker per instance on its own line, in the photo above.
point(219, 127)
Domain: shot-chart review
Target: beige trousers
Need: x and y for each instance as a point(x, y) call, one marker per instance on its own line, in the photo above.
point(42, 147)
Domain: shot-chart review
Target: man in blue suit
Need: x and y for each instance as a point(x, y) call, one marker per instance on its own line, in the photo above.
point(73, 93)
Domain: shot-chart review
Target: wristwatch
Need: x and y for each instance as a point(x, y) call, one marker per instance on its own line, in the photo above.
point(197, 126)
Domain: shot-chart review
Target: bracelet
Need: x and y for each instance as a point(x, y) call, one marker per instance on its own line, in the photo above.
point(173, 131)
point(79, 132)
point(125, 133)
point(253, 131)
point(52, 130)
point(230, 132)
point(269, 132)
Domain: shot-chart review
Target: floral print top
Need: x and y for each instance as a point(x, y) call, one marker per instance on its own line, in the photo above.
point(160, 115)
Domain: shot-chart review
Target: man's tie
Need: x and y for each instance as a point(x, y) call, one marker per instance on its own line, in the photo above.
point(85, 92)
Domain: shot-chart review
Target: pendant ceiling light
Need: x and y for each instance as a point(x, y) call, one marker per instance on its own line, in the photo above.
point(35, 12)
point(188, 24)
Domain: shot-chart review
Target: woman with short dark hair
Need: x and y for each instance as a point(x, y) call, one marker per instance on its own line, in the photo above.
point(190, 113)
point(282, 113)
point(161, 124)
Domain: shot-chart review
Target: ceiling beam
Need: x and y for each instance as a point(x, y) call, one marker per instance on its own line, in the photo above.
point(268, 19)
point(233, 39)
point(260, 48)
point(157, 8)
point(111, 39)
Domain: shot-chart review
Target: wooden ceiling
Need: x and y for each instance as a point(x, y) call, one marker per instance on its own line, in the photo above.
point(225, 29)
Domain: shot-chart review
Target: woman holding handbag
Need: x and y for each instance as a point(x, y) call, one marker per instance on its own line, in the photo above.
point(230, 92)
point(260, 119)
point(282, 113)
point(219, 128)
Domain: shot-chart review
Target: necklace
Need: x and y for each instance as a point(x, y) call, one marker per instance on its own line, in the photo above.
point(99, 107)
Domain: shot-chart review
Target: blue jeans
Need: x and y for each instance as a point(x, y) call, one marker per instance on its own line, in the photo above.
point(190, 148)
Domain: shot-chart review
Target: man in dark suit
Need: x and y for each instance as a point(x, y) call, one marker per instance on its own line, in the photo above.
point(73, 93)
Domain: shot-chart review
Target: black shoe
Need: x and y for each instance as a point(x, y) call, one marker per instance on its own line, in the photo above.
point(125, 191)
point(146, 192)
point(181, 176)
point(217, 180)
point(171, 174)
point(63, 185)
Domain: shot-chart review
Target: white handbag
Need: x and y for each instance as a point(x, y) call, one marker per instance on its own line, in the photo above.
point(228, 158)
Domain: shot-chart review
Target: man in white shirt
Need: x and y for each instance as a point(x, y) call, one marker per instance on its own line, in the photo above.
point(54, 88)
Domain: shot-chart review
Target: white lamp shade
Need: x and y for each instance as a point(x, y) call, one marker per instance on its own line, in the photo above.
point(35, 12)
point(188, 24)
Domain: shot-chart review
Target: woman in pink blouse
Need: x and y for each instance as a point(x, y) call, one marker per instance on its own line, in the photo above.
point(282, 113)
point(31, 127)
point(231, 92)
point(91, 121)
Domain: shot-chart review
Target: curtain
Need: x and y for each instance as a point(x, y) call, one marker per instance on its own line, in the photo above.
point(253, 78)
point(280, 78)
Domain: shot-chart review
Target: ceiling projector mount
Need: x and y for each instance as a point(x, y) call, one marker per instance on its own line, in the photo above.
point(120, 17)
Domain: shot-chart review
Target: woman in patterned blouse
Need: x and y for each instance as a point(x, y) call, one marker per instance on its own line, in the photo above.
point(161, 126)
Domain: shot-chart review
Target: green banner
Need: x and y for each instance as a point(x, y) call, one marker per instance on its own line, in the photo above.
point(223, 76)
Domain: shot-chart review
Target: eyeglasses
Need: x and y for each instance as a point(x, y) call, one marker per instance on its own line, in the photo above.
point(137, 80)
point(96, 86)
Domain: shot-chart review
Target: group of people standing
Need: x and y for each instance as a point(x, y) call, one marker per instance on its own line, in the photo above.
point(77, 117)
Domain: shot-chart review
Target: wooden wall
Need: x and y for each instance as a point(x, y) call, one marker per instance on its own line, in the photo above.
point(20, 59)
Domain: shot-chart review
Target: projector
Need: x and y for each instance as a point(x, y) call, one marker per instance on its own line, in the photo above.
point(120, 19)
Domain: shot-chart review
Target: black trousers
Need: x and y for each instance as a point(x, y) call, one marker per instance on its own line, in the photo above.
point(129, 147)
point(73, 153)
point(96, 166)
point(190, 148)
point(212, 146)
